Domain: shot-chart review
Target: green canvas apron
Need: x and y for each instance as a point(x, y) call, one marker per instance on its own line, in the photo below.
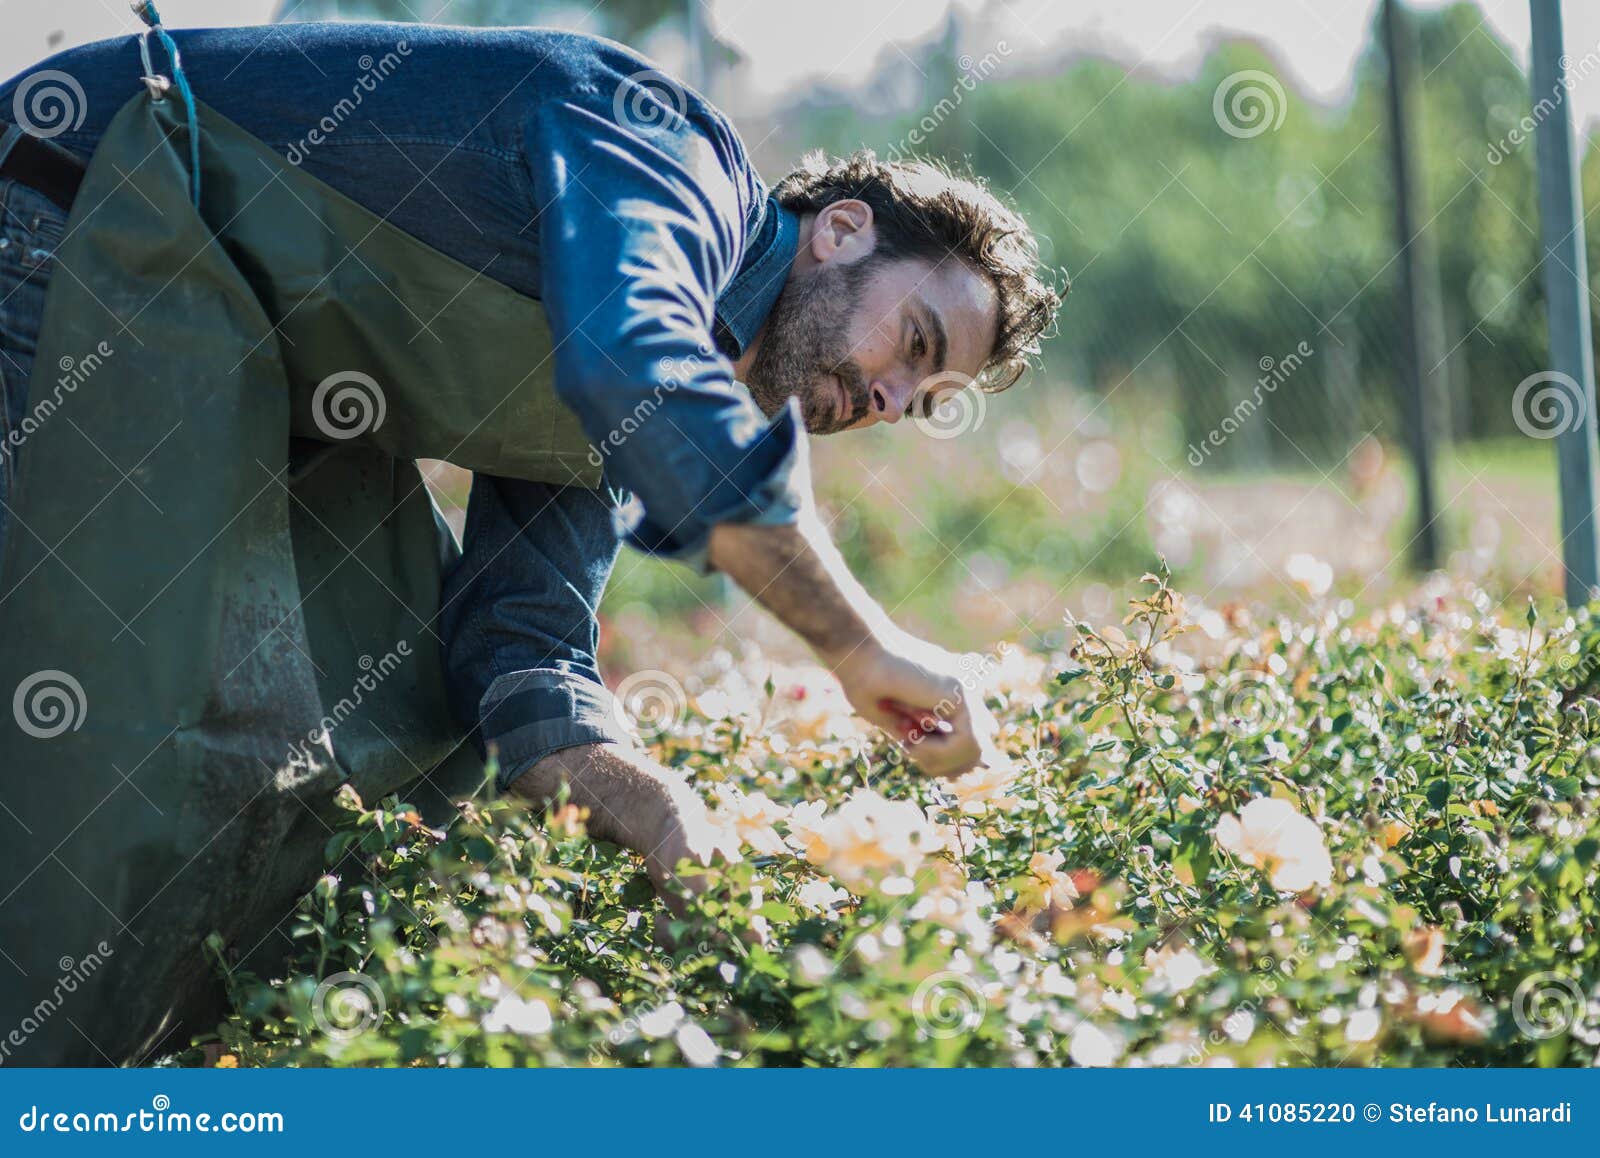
point(221, 580)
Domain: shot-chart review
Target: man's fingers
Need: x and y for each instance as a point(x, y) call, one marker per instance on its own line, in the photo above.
point(941, 749)
point(914, 724)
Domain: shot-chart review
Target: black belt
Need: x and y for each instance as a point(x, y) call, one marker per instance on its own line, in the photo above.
point(44, 168)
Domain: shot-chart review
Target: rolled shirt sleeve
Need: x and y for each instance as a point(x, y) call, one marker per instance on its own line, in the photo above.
point(640, 227)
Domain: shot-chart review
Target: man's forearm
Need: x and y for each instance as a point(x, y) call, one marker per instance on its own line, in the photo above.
point(899, 683)
point(637, 803)
point(625, 800)
point(796, 572)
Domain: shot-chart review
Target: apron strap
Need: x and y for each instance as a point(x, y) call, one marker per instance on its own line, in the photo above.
point(8, 140)
point(145, 10)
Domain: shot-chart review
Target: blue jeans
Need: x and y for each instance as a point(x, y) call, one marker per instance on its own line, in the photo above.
point(518, 609)
point(31, 226)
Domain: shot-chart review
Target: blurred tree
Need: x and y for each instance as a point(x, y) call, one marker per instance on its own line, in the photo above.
point(1197, 252)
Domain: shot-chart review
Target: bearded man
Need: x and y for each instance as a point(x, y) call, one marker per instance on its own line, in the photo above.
point(698, 323)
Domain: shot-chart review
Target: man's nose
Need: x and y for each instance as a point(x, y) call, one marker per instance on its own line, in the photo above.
point(890, 399)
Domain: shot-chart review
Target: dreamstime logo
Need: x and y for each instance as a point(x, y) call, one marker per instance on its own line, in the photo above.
point(672, 373)
point(1546, 1005)
point(1274, 373)
point(74, 973)
point(948, 405)
point(948, 1004)
point(651, 703)
point(1523, 130)
point(1249, 103)
point(346, 1005)
point(1239, 1022)
point(1249, 703)
point(1548, 404)
point(373, 73)
point(74, 373)
point(1571, 671)
point(974, 671)
point(49, 103)
point(649, 100)
point(348, 404)
point(973, 73)
point(48, 703)
point(374, 672)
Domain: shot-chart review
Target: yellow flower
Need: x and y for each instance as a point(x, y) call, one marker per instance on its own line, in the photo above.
point(806, 830)
point(1055, 886)
point(750, 818)
point(866, 840)
point(985, 787)
point(1424, 948)
point(227, 1062)
point(1271, 835)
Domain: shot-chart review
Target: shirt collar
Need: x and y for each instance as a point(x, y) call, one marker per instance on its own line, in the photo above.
point(743, 307)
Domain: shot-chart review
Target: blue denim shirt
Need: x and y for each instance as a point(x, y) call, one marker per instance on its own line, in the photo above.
point(568, 168)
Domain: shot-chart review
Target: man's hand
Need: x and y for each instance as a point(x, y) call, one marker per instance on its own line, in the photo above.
point(637, 803)
point(907, 687)
point(912, 691)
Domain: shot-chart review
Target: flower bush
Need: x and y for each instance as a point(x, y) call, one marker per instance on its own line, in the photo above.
point(1337, 839)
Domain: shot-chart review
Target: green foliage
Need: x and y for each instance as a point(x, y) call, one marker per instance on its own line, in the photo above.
point(1111, 898)
point(1196, 254)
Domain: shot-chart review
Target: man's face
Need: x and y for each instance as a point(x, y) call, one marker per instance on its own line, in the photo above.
point(861, 340)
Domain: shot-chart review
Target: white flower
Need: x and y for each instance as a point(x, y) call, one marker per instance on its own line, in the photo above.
point(866, 840)
point(810, 966)
point(1363, 1025)
point(819, 896)
point(661, 1020)
point(1239, 1025)
point(696, 1045)
point(750, 818)
point(1121, 1002)
point(1093, 1046)
point(1177, 969)
point(1309, 572)
point(808, 704)
point(1047, 880)
point(985, 787)
point(513, 1014)
point(1287, 846)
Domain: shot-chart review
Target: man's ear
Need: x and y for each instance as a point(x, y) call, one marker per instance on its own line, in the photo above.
point(843, 232)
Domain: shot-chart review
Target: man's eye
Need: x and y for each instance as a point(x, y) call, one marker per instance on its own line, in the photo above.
point(918, 346)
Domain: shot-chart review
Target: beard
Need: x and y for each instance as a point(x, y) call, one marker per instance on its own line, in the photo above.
point(806, 340)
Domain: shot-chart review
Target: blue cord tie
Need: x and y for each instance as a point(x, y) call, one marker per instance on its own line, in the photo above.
point(146, 11)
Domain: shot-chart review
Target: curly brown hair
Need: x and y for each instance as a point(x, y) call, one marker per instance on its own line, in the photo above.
point(924, 209)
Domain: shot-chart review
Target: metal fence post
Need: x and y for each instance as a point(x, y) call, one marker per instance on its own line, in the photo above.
point(1566, 295)
point(1419, 276)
